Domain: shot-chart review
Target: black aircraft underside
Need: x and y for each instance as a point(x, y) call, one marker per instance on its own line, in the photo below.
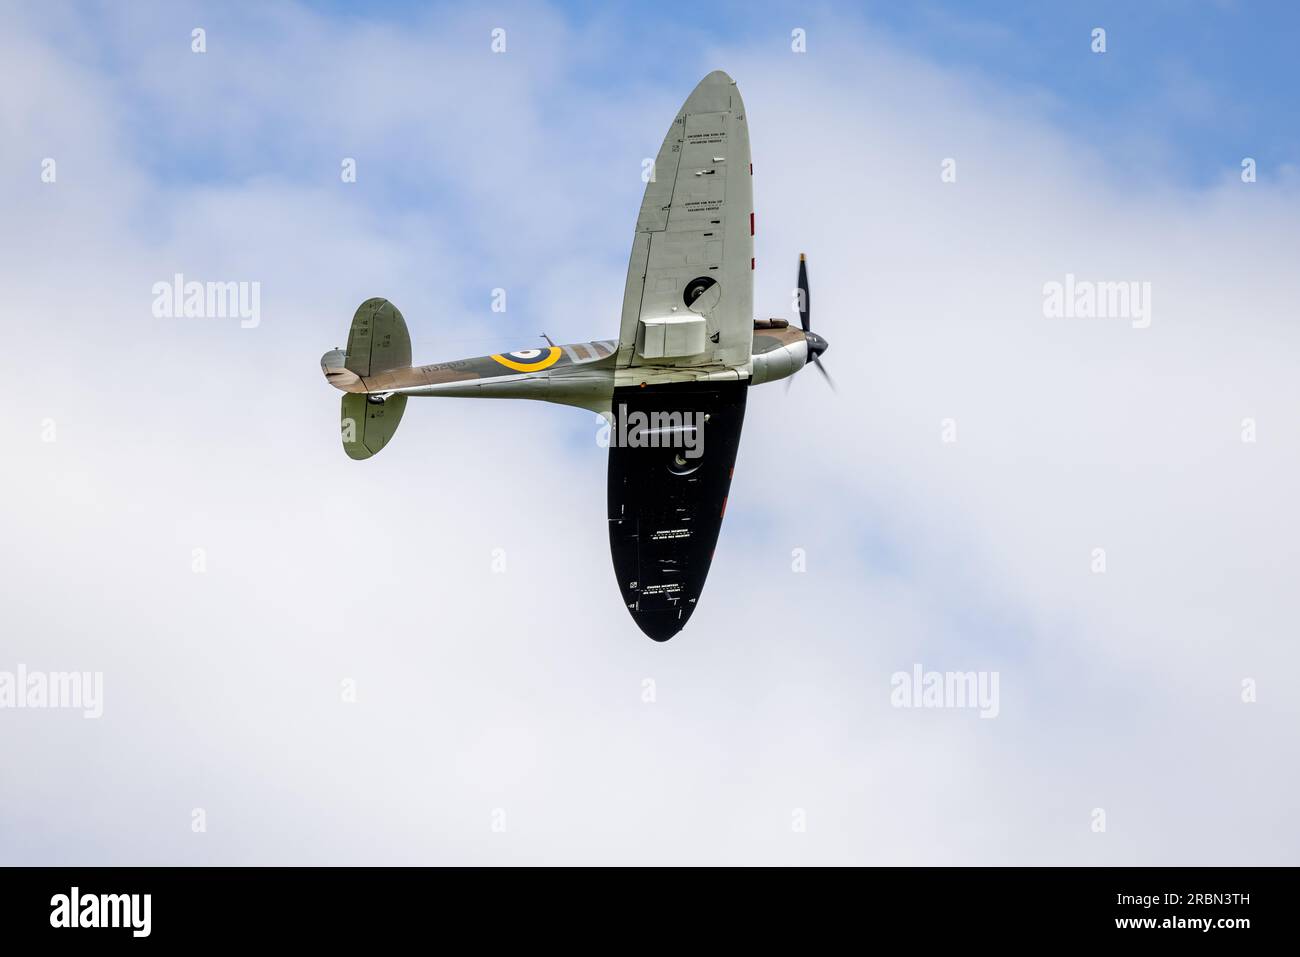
point(665, 508)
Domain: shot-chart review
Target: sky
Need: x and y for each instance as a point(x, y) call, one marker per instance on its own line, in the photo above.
point(423, 658)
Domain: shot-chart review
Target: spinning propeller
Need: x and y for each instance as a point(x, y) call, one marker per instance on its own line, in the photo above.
point(816, 344)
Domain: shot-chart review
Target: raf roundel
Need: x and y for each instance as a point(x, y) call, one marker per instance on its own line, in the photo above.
point(529, 360)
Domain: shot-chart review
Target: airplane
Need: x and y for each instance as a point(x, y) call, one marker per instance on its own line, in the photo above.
point(687, 352)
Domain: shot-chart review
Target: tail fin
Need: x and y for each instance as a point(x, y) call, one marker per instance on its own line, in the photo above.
point(378, 342)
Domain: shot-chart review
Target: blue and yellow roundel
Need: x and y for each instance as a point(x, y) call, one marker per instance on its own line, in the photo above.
point(529, 360)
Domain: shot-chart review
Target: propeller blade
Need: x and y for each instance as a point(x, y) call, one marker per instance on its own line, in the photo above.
point(822, 369)
point(805, 303)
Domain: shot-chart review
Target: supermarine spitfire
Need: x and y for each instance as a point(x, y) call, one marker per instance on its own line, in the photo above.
point(687, 351)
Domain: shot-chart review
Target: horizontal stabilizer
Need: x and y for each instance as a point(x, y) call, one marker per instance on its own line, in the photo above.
point(368, 425)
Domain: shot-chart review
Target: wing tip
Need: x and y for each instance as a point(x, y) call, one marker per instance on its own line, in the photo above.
point(712, 94)
point(662, 624)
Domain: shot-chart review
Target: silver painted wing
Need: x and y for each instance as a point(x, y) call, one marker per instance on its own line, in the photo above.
point(690, 282)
